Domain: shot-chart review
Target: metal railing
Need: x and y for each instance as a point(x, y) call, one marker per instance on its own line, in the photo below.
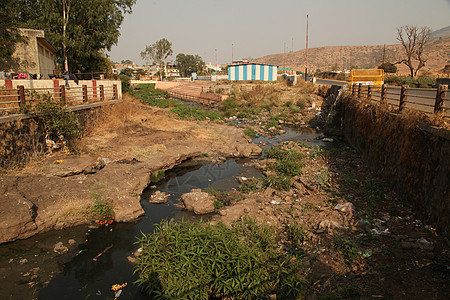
point(425, 100)
point(210, 100)
point(14, 101)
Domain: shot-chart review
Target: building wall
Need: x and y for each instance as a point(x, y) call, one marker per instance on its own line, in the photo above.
point(35, 57)
point(46, 60)
point(252, 72)
point(28, 53)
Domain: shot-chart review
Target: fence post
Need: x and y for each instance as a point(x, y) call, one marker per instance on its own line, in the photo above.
point(102, 92)
point(403, 97)
point(116, 96)
point(359, 90)
point(62, 90)
point(21, 90)
point(383, 98)
point(441, 94)
point(85, 93)
point(369, 92)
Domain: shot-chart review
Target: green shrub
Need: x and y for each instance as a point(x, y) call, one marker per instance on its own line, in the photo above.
point(183, 260)
point(101, 210)
point(125, 81)
point(59, 124)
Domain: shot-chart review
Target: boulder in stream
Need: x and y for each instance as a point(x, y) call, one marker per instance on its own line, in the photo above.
point(199, 202)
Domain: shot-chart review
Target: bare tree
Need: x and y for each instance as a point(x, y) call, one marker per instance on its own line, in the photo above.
point(158, 53)
point(414, 41)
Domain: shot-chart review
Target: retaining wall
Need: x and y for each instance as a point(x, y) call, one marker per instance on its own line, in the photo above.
point(23, 137)
point(412, 156)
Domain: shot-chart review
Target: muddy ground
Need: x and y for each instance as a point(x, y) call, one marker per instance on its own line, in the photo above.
point(375, 250)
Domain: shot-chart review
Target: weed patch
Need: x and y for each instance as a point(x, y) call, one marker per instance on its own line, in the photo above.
point(201, 261)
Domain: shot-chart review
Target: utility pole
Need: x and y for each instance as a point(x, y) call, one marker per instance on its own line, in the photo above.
point(284, 56)
point(384, 53)
point(232, 53)
point(306, 65)
point(216, 56)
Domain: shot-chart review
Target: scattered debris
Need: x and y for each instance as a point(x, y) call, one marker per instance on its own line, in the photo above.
point(101, 253)
point(347, 207)
point(159, 197)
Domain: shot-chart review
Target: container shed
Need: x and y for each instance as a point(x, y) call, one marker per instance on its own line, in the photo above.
point(252, 72)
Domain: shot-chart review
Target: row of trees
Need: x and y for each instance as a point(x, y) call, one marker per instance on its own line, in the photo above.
point(160, 51)
point(81, 31)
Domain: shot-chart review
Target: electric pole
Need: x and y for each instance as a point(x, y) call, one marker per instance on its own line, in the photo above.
point(306, 65)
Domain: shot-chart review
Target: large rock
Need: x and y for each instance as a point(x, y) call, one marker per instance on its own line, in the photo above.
point(199, 202)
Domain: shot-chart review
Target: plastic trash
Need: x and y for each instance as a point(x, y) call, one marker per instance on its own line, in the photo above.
point(346, 207)
point(101, 253)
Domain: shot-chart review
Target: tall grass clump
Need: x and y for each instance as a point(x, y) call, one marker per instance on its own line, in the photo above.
point(183, 260)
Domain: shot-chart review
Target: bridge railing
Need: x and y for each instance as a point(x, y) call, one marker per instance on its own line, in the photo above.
point(435, 101)
point(15, 101)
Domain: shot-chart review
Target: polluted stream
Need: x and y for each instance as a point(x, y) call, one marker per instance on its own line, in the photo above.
point(102, 260)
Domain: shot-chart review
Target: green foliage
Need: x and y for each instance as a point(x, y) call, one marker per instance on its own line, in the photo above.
point(317, 152)
point(153, 97)
point(250, 132)
point(9, 35)
point(418, 82)
point(187, 112)
point(296, 234)
point(59, 124)
point(92, 27)
point(188, 64)
point(388, 67)
point(347, 248)
point(223, 198)
point(125, 81)
point(157, 175)
point(100, 209)
point(158, 52)
point(185, 260)
point(287, 162)
point(323, 178)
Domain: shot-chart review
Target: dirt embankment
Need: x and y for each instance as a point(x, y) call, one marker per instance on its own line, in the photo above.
point(115, 163)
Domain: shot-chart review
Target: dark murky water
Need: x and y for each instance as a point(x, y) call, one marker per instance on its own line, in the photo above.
point(84, 278)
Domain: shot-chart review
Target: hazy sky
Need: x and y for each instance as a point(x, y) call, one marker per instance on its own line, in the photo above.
point(260, 27)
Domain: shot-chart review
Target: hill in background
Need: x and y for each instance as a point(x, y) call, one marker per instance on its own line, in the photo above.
point(442, 33)
point(344, 57)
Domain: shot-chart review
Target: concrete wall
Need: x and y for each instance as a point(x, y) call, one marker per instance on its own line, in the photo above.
point(412, 156)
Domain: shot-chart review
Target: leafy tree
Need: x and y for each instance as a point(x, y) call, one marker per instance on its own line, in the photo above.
point(127, 72)
point(388, 67)
point(158, 53)
point(414, 41)
point(188, 64)
point(9, 35)
point(79, 30)
point(127, 62)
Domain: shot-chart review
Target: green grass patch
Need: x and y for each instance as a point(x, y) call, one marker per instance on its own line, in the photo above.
point(188, 113)
point(183, 260)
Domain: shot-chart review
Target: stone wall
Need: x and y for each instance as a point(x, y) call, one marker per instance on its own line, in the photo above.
point(412, 156)
point(24, 138)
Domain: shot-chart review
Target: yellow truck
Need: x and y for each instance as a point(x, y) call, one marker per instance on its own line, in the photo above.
point(367, 76)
